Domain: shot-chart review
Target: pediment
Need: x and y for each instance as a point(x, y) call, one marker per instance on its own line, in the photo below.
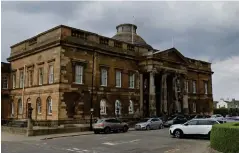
point(171, 54)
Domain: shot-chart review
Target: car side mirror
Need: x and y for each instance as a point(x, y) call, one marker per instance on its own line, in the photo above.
point(186, 124)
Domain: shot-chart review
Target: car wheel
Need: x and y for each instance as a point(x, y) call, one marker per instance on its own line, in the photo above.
point(208, 135)
point(178, 134)
point(107, 130)
point(147, 127)
point(96, 132)
point(125, 129)
point(161, 126)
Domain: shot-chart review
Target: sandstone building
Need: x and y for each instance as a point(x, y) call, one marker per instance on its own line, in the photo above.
point(54, 72)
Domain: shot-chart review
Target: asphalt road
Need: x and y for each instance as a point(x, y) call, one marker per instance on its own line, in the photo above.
point(155, 141)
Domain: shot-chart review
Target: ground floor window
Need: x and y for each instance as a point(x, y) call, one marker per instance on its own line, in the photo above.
point(103, 107)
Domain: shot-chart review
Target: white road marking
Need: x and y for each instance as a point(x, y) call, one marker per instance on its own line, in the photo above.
point(76, 149)
point(70, 150)
point(122, 142)
point(109, 143)
point(86, 150)
point(79, 151)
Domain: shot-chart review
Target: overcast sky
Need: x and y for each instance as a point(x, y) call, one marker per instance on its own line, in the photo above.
point(203, 30)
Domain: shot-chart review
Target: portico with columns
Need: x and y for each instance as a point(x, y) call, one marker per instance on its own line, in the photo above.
point(162, 87)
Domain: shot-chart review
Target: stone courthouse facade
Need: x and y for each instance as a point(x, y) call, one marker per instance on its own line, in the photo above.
point(54, 73)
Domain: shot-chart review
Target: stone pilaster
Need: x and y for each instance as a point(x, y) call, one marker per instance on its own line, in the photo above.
point(152, 99)
point(164, 93)
point(141, 83)
point(185, 96)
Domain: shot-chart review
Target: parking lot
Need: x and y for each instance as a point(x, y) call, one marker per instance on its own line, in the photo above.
point(154, 141)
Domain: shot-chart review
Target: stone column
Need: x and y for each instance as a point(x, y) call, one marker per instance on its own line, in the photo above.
point(152, 103)
point(185, 96)
point(164, 93)
point(141, 84)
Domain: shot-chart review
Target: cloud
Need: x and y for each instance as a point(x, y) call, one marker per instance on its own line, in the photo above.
point(201, 30)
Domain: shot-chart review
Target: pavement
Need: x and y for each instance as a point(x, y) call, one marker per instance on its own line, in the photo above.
point(154, 141)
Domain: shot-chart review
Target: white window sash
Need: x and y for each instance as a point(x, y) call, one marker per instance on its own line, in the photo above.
point(5, 82)
point(103, 108)
point(50, 106)
point(40, 76)
point(21, 80)
point(13, 81)
point(118, 105)
point(131, 107)
point(194, 87)
point(51, 74)
point(104, 78)
point(79, 74)
point(206, 87)
point(118, 79)
point(12, 110)
point(20, 107)
point(132, 80)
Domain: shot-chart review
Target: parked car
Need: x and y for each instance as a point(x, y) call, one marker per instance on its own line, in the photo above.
point(108, 125)
point(180, 119)
point(193, 127)
point(217, 116)
point(149, 123)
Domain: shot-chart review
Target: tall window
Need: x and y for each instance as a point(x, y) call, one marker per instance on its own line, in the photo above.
point(49, 106)
point(205, 87)
point(21, 79)
point(104, 75)
point(117, 107)
point(131, 107)
point(4, 82)
point(51, 74)
point(30, 77)
point(194, 87)
point(14, 81)
point(79, 74)
point(38, 105)
point(103, 107)
point(118, 78)
point(12, 108)
point(186, 85)
point(131, 80)
point(20, 106)
point(194, 107)
point(179, 85)
point(40, 76)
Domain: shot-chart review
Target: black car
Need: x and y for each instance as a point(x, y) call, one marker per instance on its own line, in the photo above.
point(179, 119)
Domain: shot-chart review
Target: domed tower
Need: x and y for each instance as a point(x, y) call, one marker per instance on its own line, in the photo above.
point(127, 33)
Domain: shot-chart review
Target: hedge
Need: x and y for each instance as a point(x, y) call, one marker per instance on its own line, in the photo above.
point(225, 137)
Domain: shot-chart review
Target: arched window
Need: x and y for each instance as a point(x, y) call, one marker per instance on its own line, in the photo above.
point(12, 108)
point(131, 107)
point(38, 102)
point(19, 106)
point(103, 107)
point(49, 105)
point(194, 107)
point(117, 107)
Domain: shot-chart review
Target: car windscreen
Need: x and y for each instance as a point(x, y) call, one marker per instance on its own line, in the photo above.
point(99, 121)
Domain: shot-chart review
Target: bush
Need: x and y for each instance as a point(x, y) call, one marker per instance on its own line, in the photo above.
point(225, 137)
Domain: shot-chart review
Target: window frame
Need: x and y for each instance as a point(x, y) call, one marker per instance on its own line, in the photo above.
point(21, 79)
point(116, 107)
point(104, 112)
point(12, 108)
point(81, 76)
point(51, 74)
point(18, 107)
point(49, 101)
point(131, 80)
point(120, 78)
point(13, 80)
point(205, 87)
point(30, 77)
point(131, 105)
point(4, 81)
point(38, 101)
point(194, 84)
point(194, 107)
point(103, 77)
point(40, 80)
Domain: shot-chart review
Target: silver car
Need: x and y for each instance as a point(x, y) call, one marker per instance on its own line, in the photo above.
point(149, 123)
point(108, 125)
